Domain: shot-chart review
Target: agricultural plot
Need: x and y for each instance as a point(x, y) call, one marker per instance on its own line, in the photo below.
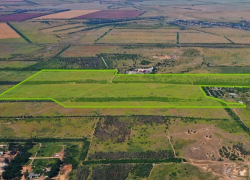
point(68, 14)
point(125, 36)
point(201, 37)
point(241, 40)
point(111, 14)
point(34, 34)
point(97, 88)
point(7, 32)
point(89, 51)
point(89, 37)
point(20, 17)
point(56, 127)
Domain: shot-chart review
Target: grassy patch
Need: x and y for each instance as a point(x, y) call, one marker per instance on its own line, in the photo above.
point(178, 172)
point(49, 149)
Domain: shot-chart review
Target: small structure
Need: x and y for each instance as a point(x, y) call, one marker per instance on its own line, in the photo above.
point(33, 175)
point(1, 153)
point(241, 102)
point(234, 95)
point(141, 71)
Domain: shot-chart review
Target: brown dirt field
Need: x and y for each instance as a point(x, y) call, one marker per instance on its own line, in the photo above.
point(2, 7)
point(7, 32)
point(243, 40)
point(67, 14)
point(139, 36)
point(88, 51)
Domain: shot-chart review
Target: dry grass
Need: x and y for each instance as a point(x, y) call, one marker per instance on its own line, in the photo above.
point(89, 37)
point(66, 26)
point(227, 57)
point(222, 31)
point(67, 14)
point(7, 32)
point(89, 51)
point(243, 40)
point(200, 37)
point(140, 36)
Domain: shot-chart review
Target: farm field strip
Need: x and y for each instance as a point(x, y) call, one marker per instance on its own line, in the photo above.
point(92, 89)
point(67, 14)
point(114, 14)
point(20, 16)
point(139, 36)
point(7, 32)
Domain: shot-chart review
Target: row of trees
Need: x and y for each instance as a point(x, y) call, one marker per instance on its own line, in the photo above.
point(151, 155)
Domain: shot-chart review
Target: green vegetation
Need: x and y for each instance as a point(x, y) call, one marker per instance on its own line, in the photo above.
point(124, 90)
point(142, 170)
point(49, 149)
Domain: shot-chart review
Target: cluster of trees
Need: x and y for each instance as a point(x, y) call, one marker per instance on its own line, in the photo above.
point(67, 63)
point(142, 170)
point(228, 153)
point(154, 155)
point(82, 173)
point(55, 168)
point(71, 154)
point(117, 56)
point(239, 147)
point(84, 150)
point(112, 128)
point(103, 21)
point(111, 172)
point(13, 170)
point(42, 140)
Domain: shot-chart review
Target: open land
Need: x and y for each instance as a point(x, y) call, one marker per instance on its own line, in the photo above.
point(178, 38)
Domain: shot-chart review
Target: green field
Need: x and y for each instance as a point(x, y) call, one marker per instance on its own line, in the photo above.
point(106, 88)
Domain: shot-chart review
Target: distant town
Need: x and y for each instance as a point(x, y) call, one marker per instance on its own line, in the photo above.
point(244, 25)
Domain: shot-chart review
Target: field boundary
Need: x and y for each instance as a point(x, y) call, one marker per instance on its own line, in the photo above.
point(18, 32)
point(224, 104)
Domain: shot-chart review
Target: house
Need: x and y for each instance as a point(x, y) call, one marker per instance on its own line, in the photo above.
point(1, 153)
point(141, 71)
point(33, 175)
point(234, 95)
point(3, 146)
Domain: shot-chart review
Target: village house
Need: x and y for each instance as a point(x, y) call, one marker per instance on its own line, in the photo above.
point(141, 71)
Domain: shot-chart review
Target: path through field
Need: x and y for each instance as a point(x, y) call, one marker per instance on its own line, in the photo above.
point(32, 160)
point(92, 135)
point(105, 62)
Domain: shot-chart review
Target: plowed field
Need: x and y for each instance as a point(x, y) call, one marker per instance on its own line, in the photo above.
point(7, 32)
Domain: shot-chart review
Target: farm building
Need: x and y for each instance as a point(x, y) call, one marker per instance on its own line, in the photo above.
point(141, 71)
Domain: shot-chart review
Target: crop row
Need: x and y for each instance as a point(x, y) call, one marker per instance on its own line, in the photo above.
point(223, 80)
